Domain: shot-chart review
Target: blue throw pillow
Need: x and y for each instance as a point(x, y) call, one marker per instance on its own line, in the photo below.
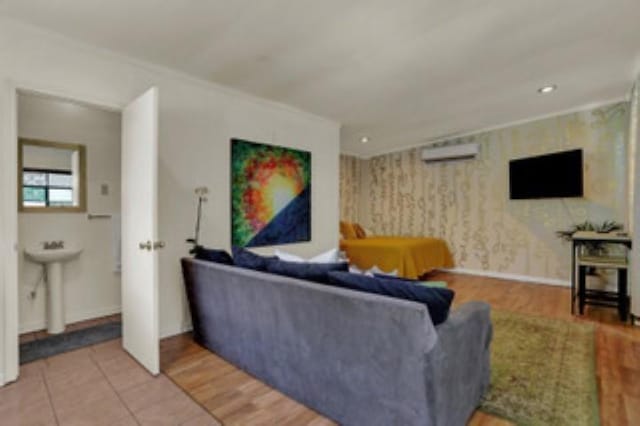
point(249, 260)
point(441, 284)
point(407, 280)
point(317, 272)
point(213, 255)
point(437, 300)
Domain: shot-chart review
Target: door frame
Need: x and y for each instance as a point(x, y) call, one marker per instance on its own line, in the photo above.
point(9, 294)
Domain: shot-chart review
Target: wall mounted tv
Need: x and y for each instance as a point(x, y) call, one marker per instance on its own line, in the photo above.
point(556, 175)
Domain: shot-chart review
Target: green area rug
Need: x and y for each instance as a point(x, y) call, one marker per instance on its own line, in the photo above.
point(542, 371)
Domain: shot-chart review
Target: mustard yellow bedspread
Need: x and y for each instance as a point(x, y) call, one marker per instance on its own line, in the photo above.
point(411, 257)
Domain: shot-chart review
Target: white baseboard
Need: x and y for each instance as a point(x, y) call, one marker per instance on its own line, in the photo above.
point(509, 276)
point(71, 317)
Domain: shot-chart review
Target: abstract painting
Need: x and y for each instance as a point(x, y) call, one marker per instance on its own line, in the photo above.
point(270, 194)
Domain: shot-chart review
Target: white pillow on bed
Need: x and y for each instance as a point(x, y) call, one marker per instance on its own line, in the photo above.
point(331, 256)
point(370, 272)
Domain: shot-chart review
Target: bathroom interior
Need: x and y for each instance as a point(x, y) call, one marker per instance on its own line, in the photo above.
point(69, 225)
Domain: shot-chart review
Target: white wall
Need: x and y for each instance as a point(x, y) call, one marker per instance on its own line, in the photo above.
point(92, 288)
point(197, 119)
point(634, 197)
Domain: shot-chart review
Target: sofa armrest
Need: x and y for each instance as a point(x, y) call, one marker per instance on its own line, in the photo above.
point(458, 367)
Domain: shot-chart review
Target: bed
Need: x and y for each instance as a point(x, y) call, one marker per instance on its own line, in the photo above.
point(410, 257)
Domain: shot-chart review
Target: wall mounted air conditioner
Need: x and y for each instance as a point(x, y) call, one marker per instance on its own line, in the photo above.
point(450, 153)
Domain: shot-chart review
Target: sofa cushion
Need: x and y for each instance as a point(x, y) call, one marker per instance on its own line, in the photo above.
point(249, 260)
point(213, 255)
point(437, 300)
point(311, 271)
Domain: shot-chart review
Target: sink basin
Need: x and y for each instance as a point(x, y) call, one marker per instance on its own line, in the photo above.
point(52, 259)
point(41, 255)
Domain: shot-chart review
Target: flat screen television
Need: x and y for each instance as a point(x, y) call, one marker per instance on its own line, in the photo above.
point(557, 175)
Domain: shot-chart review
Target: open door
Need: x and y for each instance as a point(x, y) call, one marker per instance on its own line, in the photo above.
point(140, 334)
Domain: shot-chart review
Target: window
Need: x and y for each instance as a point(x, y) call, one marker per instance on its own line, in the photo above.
point(47, 188)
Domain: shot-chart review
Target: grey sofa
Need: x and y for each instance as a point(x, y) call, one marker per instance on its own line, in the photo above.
point(357, 358)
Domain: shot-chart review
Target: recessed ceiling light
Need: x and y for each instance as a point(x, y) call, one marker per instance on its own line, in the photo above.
point(364, 139)
point(547, 89)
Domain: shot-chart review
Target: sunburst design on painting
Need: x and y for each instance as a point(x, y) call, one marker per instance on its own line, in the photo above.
point(270, 194)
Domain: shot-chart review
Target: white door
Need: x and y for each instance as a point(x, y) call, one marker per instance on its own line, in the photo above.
point(140, 335)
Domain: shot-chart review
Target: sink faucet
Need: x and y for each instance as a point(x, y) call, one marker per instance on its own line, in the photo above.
point(53, 245)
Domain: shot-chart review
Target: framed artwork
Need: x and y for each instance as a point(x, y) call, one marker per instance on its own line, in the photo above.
point(270, 194)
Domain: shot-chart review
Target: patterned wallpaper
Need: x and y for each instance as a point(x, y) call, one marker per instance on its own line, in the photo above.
point(467, 202)
point(350, 175)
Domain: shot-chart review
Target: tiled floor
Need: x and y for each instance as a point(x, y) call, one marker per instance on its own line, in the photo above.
point(96, 385)
point(40, 334)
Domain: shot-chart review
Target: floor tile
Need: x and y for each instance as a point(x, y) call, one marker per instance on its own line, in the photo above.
point(103, 412)
point(72, 398)
point(40, 414)
point(127, 421)
point(66, 377)
point(123, 372)
point(23, 393)
point(150, 393)
point(107, 350)
point(69, 359)
point(174, 411)
point(32, 369)
point(203, 420)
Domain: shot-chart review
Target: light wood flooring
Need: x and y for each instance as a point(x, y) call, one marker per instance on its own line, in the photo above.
point(236, 398)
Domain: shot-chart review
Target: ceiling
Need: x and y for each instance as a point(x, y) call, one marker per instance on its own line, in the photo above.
point(401, 72)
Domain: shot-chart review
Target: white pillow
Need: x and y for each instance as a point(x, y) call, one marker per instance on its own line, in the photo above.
point(331, 256)
point(370, 272)
point(376, 270)
point(288, 257)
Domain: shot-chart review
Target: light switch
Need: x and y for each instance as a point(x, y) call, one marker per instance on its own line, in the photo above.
point(104, 189)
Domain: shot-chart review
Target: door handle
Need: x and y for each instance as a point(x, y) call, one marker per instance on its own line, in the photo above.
point(158, 245)
point(146, 246)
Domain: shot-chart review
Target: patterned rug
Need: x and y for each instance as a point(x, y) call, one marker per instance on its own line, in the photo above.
point(542, 371)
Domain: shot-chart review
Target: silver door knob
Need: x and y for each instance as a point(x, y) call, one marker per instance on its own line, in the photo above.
point(146, 246)
point(158, 245)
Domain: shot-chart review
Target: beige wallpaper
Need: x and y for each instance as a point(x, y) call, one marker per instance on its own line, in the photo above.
point(350, 176)
point(467, 202)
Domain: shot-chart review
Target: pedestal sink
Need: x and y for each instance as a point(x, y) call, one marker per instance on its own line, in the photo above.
point(52, 259)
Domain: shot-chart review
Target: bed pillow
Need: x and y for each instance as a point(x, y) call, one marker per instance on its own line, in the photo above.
point(287, 257)
point(330, 256)
point(347, 231)
point(359, 230)
point(437, 300)
point(317, 272)
point(213, 255)
point(373, 271)
point(249, 260)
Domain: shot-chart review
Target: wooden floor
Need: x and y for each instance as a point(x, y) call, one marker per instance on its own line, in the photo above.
point(235, 398)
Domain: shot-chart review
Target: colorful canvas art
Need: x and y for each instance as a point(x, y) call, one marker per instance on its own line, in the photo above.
point(270, 194)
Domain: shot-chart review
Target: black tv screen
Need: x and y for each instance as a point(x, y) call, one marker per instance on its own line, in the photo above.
point(556, 175)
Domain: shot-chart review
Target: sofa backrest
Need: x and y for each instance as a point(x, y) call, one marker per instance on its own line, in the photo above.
point(335, 350)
